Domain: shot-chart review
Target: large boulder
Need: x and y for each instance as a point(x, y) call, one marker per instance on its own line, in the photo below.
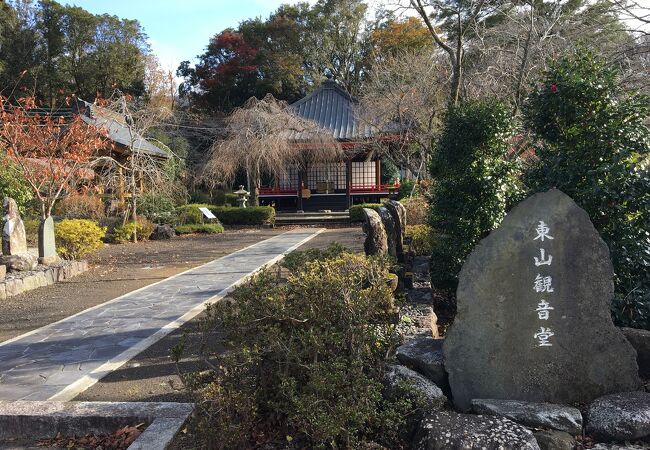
point(376, 242)
point(535, 415)
point(398, 211)
point(554, 440)
point(392, 233)
point(397, 374)
point(424, 354)
point(533, 318)
point(162, 232)
point(448, 430)
point(14, 239)
point(640, 340)
point(620, 417)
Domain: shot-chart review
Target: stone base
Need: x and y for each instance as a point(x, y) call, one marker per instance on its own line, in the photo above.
point(3, 272)
point(48, 260)
point(19, 263)
point(18, 282)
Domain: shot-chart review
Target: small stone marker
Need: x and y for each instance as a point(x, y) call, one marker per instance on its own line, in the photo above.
point(376, 242)
point(46, 243)
point(14, 240)
point(533, 318)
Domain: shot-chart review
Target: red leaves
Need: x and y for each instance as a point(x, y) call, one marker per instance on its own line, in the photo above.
point(118, 440)
point(554, 88)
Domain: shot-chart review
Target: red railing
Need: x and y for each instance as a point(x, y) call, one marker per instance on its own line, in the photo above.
point(355, 189)
point(278, 191)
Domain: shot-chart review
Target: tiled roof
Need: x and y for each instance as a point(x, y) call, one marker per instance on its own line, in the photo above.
point(334, 109)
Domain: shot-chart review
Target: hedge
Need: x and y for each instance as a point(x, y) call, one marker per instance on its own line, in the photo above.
point(356, 211)
point(254, 215)
point(207, 228)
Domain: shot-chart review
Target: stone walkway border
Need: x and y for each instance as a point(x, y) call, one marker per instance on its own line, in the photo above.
point(46, 419)
point(61, 360)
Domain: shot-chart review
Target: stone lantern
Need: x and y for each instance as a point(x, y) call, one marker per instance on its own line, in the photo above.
point(243, 196)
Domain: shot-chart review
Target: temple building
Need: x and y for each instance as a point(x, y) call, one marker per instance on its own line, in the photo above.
point(333, 185)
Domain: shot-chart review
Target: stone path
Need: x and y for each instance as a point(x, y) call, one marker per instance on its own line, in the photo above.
point(60, 360)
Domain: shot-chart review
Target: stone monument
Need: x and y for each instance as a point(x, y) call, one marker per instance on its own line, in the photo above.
point(376, 242)
point(391, 229)
point(533, 318)
point(14, 240)
point(398, 211)
point(46, 243)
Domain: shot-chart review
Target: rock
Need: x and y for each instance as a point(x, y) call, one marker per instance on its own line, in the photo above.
point(3, 272)
point(396, 374)
point(391, 230)
point(554, 440)
point(376, 242)
point(46, 243)
point(619, 417)
point(424, 354)
point(448, 430)
point(640, 340)
point(535, 415)
point(14, 240)
point(162, 232)
point(507, 343)
point(19, 263)
point(626, 446)
point(398, 212)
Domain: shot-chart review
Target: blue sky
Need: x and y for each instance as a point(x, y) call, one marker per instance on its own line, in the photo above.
point(180, 29)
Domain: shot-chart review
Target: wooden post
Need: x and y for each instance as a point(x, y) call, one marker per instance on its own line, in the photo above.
point(378, 174)
point(300, 179)
point(348, 183)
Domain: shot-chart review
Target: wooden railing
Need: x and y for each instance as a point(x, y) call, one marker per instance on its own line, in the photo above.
point(355, 189)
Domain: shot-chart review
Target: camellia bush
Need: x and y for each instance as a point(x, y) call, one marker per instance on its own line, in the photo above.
point(593, 144)
point(474, 182)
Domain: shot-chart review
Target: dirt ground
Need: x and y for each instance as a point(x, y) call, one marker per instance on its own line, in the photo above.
point(117, 270)
point(152, 375)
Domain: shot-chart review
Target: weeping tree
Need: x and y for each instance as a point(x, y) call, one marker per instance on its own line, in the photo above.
point(265, 137)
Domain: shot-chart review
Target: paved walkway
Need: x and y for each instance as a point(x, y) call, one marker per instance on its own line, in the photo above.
point(62, 359)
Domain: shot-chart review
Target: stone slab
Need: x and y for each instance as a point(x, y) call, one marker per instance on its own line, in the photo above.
point(533, 318)
point(620, 417)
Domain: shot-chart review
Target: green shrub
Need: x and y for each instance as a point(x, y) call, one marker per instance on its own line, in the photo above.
point(124, 233)
point(231, 199)
point(79, 206)
point(208, 228)
point(297, 260)
point(13, 184)
point(356, 211)
point(473, 181)
point(31, 231)
point(305, 357)
point(191, 214)
point(253, 215)
point(406, 188)
point(422, 237)
point(78, 238)
point(595, 147)
point(159, 208)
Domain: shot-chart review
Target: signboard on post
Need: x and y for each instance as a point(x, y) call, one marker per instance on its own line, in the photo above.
point(207, 213)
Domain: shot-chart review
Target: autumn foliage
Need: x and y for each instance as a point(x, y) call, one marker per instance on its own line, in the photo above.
point(52, 153)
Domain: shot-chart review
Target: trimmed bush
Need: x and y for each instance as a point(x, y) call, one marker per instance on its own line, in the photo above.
point(474, 179)
point(79, 206)
point(159, 208)
point(253, 215)
point(124, 233)
point(422, 237)
point(297, 260)
point(595, 147)
point(305, 356)
point(231, 199)
point(78, 238)
point(207, 228)
point(191, 214)
point(356, 211)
